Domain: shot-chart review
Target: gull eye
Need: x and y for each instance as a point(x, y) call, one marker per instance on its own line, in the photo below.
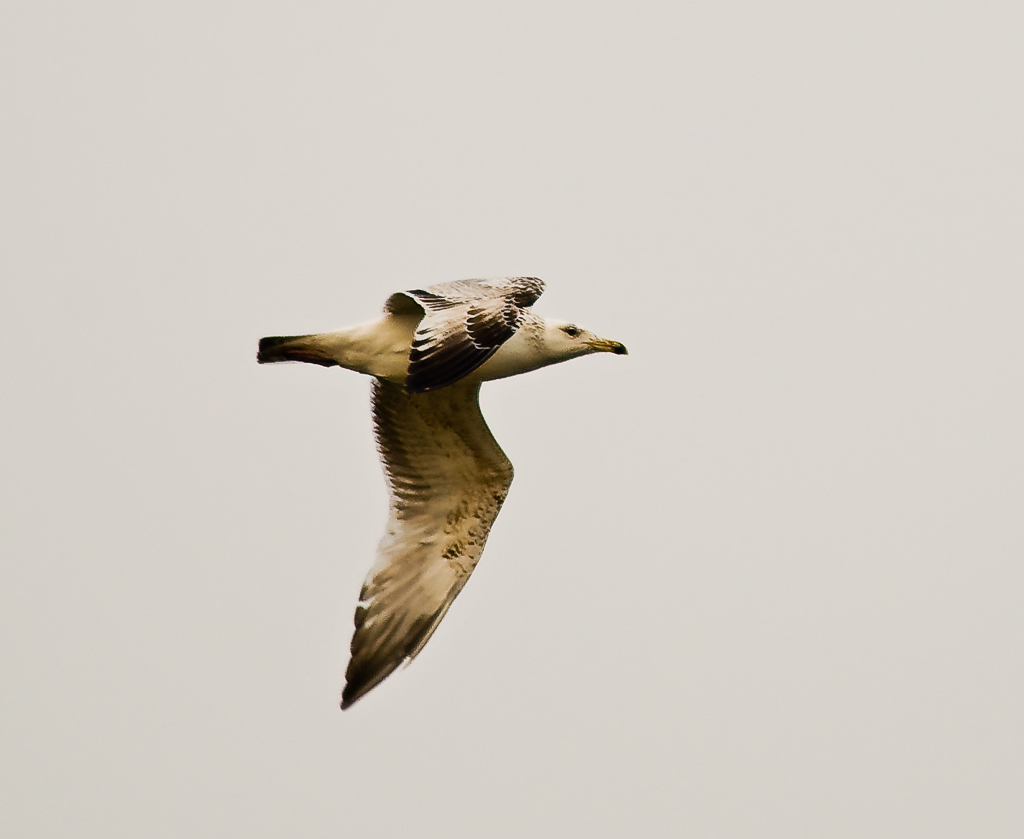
point(571, 331)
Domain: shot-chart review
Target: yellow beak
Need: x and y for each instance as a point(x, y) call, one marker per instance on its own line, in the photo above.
point(604, 345)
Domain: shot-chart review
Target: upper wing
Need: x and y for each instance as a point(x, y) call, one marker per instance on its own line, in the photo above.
point(447, 479)
point(464, 324)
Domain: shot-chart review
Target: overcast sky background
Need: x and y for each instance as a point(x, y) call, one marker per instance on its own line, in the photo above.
point(761, 578)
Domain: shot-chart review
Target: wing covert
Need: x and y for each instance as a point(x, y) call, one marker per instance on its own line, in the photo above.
point(464, 324)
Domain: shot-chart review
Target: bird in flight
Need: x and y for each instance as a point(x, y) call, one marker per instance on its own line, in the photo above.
point(446, 475)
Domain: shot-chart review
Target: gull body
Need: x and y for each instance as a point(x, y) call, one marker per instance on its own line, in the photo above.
point(447, 477)
point(380, 347)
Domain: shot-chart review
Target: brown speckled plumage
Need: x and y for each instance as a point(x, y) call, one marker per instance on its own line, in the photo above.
point(465, 323)
point(447, 478)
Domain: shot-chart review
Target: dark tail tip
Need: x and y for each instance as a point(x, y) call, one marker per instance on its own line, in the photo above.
point(271, 350)
point(292, 348)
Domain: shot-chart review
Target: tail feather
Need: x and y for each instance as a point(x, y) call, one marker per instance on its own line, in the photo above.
point(294, 348)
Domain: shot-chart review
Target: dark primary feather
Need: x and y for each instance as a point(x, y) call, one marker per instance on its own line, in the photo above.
point(447, 479)
point(464, 324)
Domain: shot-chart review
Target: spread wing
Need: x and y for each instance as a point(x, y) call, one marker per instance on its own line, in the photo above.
point(464, 324)
point(447, 478)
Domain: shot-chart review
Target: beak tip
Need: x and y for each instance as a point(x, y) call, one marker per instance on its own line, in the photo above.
point(620, 349)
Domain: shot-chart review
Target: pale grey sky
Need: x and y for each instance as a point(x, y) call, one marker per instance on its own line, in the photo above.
point(762, 578)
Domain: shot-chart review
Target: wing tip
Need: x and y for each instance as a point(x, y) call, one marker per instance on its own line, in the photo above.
point(359, 682)
point(354, 691)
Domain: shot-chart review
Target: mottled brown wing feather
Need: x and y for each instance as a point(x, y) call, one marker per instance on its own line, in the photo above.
point(447, 479)
point(465, 323)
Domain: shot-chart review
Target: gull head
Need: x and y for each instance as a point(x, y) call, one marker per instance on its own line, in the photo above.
point(563, 340)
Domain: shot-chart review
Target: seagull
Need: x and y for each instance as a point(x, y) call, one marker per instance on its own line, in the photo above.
point(446, 475)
